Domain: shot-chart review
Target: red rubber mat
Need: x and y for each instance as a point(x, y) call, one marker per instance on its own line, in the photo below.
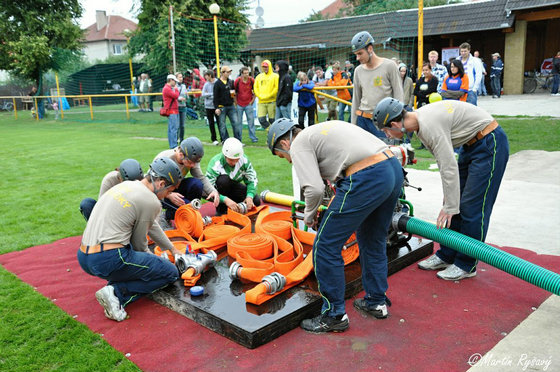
point(434, 325)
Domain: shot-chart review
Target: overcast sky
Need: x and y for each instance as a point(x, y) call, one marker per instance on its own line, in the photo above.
point(276, 12)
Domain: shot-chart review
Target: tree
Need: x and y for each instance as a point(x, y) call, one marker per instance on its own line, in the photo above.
point(39, 35)
point(193, 32)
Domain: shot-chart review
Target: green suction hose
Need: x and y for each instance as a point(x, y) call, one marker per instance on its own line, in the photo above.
point(509, 263)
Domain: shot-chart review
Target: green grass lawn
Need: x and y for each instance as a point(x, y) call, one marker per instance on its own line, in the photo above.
point(49, 166)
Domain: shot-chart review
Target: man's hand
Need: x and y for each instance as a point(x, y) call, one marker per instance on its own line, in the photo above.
point(249, 202)
point(231, 205)
point(443, 220)
point(176, 199)
point(214, 196)
point(175, 251)
point(313, 224)
point(218, 112)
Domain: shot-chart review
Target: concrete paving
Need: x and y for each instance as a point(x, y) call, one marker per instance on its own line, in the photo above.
point(526, 215)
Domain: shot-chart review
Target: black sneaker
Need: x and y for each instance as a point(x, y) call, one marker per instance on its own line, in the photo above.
point(324, 323)
point(378, 311)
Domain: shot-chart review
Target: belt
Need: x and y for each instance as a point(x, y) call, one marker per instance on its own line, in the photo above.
point(370, 160)
point(91, 249)
point(364, 114)
point(483, 133)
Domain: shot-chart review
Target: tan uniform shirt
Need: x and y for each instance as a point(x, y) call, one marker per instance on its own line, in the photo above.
point(371, 86)
point(124, 214)
point(111, 179)
point(195, 171)
point(156, 232)
point(324, 151)
point(443, 126)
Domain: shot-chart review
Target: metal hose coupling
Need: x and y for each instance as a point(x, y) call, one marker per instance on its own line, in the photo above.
point(274, 282)
point(235, 270)
point(195, 203)
point(242, 207)
point(203, 261)
point(399, 221)
point(206, 220)
point(183, 261)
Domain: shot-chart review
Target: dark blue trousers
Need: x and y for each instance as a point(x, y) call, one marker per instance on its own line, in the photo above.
point(481, 168)
point(86, 206)
point(367, 124)
point(191, 188)
point(131, 273)
point(364, 202)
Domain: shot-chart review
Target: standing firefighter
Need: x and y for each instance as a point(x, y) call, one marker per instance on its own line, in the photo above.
point(374, 79)
point(114, 244)
point(470, 184)
point(368, 180)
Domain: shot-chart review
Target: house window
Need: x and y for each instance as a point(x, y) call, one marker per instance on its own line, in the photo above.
point(117, 49)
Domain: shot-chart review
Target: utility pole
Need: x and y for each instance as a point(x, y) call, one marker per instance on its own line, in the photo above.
point(172, 38)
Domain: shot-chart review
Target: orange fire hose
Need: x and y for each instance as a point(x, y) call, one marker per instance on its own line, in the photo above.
point(275, 247)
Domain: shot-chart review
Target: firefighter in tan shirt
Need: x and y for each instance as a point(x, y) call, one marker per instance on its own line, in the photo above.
point(114, 245)
point(470, 184)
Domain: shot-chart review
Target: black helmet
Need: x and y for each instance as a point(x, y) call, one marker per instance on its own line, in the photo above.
point(131, 170)
point(361, 40)
point(192, 149)
point(385, 111)
point(278, 129)
point(167, 169)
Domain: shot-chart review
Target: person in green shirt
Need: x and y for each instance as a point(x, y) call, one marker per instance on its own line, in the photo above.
point(233, 175)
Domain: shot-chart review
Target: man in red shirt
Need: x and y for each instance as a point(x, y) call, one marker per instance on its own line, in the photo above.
point(170, 96)
point(244, 98)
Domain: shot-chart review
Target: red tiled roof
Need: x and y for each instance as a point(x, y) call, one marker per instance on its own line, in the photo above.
point(114, 30)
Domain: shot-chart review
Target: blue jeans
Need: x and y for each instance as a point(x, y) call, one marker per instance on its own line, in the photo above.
point(367, 124)
point(132, 274)
point(364, 202)
point(249, 113)
point(231, 113)
point(190, 188)
point(481, 168)
point(182, 116)
point(284, 112)
point(496, 85)
point(555, 83)
point(86, 206)
point(472, 97)
point(172, 130)
point(341, 108)
point(481, 88)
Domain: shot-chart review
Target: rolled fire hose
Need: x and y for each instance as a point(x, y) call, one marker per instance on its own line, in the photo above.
point(504, 261)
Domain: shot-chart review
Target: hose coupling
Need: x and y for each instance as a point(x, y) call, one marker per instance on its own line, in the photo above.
point(183, 261)
point(274, 282)
point(235, 270)
point(242, 207)
point(203, 261)
point(195, 203)
point(206, 220)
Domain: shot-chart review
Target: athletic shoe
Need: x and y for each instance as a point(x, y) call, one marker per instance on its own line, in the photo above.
point(113, 309)
point(455, 273)
point(215, 143)
point(378, 311)
point(324, 323)
point(433, 263)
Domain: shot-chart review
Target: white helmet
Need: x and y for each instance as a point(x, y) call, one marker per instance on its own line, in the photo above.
point(232, 148)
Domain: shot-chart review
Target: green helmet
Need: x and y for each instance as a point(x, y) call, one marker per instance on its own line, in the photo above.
point(192, 149)
point(385, 111)
point(167, 169)
point(131, 170)
point(278, 129)
point(361, 40)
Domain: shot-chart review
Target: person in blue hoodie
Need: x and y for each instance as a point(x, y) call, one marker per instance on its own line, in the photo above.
point(306, 100)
